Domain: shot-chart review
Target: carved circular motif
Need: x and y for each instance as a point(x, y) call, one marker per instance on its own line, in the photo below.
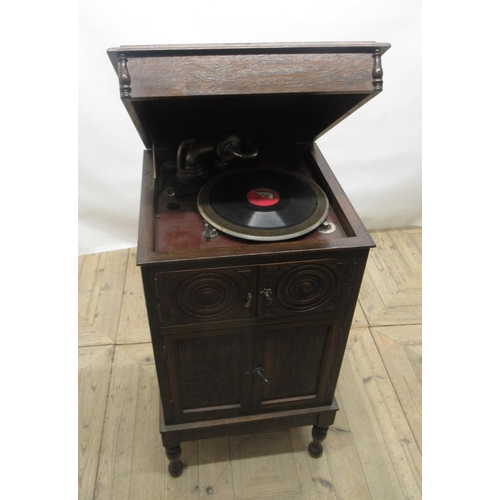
point(207, 296)
point(305, 287)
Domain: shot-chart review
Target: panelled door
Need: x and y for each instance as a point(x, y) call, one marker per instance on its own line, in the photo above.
point(209, 373)
point(293, 364)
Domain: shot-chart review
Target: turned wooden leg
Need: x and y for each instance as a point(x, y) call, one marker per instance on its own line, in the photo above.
point(175, 466)
point(315, 447)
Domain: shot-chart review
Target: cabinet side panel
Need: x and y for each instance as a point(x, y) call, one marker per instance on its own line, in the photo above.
point(159, 353)
point(346, 324)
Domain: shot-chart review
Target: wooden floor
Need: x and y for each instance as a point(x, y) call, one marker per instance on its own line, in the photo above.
point(372, 451)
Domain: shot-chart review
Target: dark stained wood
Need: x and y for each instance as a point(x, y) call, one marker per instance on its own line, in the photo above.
point(202, 429)
point(346, 326)
point(145, 244)
point(210, 373)
point(316, 446)
point(292, 361)
point(258, 117)
point(213, 295)
point(123, 76)
point(339, 200)
point(377, 72)
point(184, 241)
point(154, 77)
point(256, 48)
point(247, 336)
point(302, 288)
point(175, 466)
point(253, 90)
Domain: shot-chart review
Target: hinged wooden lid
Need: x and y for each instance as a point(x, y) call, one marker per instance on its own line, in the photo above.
point(267, 93)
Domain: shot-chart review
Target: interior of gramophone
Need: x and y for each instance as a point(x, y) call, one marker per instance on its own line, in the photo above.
point(234, 170)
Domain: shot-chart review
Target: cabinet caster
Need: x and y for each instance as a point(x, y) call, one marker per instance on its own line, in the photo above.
point(175, 467)
point(315, 447)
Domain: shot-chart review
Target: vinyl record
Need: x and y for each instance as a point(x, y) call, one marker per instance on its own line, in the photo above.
point(263, 204)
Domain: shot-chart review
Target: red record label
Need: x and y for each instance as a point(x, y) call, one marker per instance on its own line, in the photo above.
point(263, 197)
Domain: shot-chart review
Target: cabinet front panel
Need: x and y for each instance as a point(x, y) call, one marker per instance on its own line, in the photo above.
point(211, 295)
point(211, 373)
point(300, 288)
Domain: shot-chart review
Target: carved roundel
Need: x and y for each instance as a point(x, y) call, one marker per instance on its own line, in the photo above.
point(207, 296)
point(305, 287)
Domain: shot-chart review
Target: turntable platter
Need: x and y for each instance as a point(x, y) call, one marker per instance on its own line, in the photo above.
point(263, 204)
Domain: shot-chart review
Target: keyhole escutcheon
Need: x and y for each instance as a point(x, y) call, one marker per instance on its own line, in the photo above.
point(260, 372)
point(266, 293)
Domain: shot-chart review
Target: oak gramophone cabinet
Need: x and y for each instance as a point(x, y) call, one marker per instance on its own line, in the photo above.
point(251, 253)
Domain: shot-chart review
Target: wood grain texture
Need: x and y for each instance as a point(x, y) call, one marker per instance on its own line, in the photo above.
point(345, 466)
point(94, 369)
point(359, 320)
point(400, 365)
point(397, 435)
point(215, 469)
point(204, 296)
point(264, 466)
point(100, 293)
point(132, 462)
point(250, 74)
point(368, 438)
point(391, 293)
point(343, 75)
point(314, 476)
point(133, 326)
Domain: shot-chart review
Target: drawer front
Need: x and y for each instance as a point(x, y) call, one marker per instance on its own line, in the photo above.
point(186, 297)
point(300, 288)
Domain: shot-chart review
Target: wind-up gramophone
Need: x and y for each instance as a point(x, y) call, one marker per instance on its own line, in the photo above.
point(251, 254)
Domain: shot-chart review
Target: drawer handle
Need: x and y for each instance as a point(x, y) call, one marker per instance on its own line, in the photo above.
point(267, 292)
point(260, 372)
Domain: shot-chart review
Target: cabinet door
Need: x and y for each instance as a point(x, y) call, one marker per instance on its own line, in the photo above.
point(302, 288)
point(293, 364)
point(209, 373)
point(186, 297)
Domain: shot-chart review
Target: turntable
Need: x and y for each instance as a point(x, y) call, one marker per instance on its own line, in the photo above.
point(251, 254)
point(263, 204)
